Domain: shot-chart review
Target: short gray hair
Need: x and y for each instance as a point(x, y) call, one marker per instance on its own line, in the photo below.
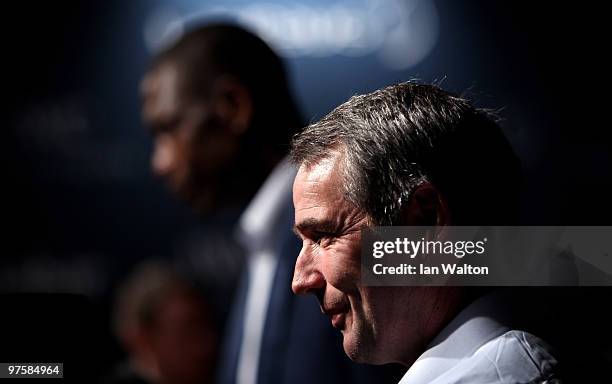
point(400, 136)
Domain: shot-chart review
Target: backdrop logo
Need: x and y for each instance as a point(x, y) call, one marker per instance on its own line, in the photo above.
point(400, 33)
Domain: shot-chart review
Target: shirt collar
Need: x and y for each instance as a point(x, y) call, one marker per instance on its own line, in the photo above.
point(480, 322)
point(267, 209)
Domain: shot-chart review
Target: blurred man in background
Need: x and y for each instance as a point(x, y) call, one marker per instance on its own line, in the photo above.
point(219, 109)
point(218, 105)
point(165, 325)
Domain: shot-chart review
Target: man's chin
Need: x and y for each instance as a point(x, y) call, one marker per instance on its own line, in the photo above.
point(203, 204)
point(353, 348)
point(201, 201)
point(360, 348)
point(355, 355)
point(363, 356)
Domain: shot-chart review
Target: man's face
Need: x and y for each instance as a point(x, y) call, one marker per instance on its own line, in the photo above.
point(189, 148)
point(378, 324)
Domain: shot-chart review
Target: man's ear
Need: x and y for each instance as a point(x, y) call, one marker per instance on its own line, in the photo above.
point(426, 207)
point(232, 105)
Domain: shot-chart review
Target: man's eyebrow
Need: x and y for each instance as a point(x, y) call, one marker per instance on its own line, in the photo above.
point(311, 224)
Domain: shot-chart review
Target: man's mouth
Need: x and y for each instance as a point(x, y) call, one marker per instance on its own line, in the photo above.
point(337, 315)
point(337, 310)
point(338, 320)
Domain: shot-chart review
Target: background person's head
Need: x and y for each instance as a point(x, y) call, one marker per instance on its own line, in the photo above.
point(165, 325)
point(408, 154)
point(221, 114)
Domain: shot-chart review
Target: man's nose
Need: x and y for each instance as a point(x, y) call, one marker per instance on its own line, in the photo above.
point(306, 276)
point(162, 159)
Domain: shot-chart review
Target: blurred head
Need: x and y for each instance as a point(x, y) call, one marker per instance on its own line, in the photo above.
point(166, 327)
point(218, 106)
point(409, 154)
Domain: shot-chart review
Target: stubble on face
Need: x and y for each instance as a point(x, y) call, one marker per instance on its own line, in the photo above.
point(379, 324)
point(330, 227)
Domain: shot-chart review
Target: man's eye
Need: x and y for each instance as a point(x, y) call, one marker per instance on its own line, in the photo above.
point(165, 126)
point(321, 237)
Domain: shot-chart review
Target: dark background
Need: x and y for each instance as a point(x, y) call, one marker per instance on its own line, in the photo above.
point(81, 207)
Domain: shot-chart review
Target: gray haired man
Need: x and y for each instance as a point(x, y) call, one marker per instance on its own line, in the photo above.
point(409, 154)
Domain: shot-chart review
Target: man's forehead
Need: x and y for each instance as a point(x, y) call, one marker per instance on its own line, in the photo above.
point(319, 170)
point(317, 189)
point(159, 90)
point(159, 78)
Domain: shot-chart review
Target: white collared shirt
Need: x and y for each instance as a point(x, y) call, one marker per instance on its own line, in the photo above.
point(478, 347)
point(259, 229)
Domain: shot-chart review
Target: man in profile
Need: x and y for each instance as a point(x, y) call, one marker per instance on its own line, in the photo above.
point(409, 154)
point(221, 114)
point(218, 106)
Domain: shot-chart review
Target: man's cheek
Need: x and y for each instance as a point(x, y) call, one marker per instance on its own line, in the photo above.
point(349, 254)
point(342, 270)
